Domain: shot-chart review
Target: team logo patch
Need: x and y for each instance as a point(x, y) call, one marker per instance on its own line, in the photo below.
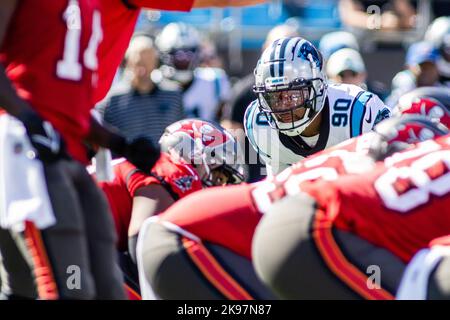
point(381, 115)
point(184, 183)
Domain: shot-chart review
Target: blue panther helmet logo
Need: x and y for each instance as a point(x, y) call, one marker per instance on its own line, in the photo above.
point(308, 48)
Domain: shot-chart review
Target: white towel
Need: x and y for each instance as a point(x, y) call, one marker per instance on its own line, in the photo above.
point(23, 190)
point(414, 282)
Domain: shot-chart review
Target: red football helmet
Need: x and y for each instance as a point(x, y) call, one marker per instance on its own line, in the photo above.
point(432, 102)
point(208, 147)
point(398, 133)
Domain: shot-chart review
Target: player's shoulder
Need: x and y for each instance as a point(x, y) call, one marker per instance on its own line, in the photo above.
point(342, 89)
point(258, 130)
point(358, 96)
point(250, 112)
point(254, 119)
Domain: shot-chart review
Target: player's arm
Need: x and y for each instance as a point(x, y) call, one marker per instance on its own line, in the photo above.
point(147, 201)
point(46, 141)
point(379, 111)
point(9, 100)
point(141, 151)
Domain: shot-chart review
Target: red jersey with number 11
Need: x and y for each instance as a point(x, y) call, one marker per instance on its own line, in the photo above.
point(50, 56)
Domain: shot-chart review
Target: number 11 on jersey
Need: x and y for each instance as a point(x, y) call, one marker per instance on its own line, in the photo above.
point(70, 67)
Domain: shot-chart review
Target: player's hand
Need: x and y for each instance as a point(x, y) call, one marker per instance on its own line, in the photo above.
point(143, 153)
point(44, 138)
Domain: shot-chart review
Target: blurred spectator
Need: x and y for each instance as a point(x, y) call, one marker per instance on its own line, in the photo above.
point(242, 95)
point(333, 41)
point(347, 66)
point(142, 109)
point(209, 56)
point(439, 34)
point(421, 71)
point(205, 89)
point(393, 14)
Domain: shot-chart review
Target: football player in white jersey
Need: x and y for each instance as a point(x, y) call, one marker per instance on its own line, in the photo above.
point(205, 89)
point(297, 113)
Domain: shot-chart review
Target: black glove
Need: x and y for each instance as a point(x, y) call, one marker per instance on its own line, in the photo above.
point(141, 152)
point(44, 138)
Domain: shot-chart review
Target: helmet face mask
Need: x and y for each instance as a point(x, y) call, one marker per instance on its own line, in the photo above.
point(432, 102)
point(223, 175)
point(290, 84)
point(209, 148)
point(289, 108)
point(399, 133)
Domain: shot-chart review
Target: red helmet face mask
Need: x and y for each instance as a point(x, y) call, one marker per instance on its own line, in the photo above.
point(430, 108)
point(208, 147)
point(412, 133)
point(431, 102)
point(399, 133)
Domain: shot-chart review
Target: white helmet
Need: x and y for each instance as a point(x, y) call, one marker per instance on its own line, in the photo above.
point(179, 44)
point(334, 41)
point(345, 59)
point(290, 84)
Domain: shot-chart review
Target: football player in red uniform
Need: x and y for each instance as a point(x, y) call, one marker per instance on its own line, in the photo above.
point(48, 68)
point(47, 78)
point(186, 166)
point(427, 275)
point(351, 236)
point(200, 248)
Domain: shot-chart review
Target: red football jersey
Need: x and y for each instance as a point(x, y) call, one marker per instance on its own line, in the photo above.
point(401, 205)
point(225, 216)
point(50, 56)
point(180, 179)
point(119, 21)
point(228, 216)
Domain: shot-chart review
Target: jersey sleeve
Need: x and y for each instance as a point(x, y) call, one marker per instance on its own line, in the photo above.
point(251, 131)
point(135, 178)
point(183, 5)
point(375, 112)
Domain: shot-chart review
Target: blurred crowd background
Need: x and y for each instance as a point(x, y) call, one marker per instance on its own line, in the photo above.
point(200, 64)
